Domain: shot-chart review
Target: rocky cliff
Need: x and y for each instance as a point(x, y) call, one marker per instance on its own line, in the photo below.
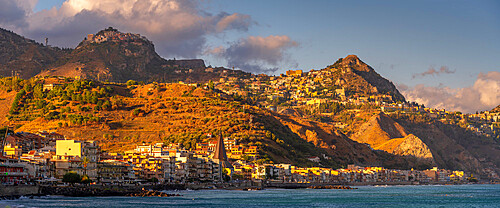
point(383, 133)
point(115, 56)
point(413, 146)
point(456, 148)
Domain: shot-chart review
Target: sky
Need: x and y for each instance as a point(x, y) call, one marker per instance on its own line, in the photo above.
point(440, 53)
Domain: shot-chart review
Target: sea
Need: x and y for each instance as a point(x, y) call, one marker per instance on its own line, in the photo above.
point(364, 196)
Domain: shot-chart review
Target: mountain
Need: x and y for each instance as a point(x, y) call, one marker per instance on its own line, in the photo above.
point(358, 77)
point(115, 56)
point(343, 150)
point(26, 57)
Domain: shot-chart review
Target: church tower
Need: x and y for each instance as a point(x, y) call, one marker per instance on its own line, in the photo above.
point(220, 156)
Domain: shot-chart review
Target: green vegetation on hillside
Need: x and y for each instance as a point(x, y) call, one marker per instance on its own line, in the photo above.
point(74, 101)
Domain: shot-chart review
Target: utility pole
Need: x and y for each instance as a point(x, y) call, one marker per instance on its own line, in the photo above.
point(2, 143)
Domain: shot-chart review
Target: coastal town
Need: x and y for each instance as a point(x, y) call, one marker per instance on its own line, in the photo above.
point(221, 104)
point(45, 157)
point(48, 158)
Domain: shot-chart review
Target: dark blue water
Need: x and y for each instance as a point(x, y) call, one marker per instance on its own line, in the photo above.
point(365, 196)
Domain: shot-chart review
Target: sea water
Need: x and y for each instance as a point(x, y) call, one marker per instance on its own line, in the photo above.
point(364, 196)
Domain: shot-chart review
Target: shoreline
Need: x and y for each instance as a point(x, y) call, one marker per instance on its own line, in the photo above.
point(16, 192)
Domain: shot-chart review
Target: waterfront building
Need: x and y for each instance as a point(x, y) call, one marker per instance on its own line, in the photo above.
point(110, 171)
point(11, 171)
point(78, 156)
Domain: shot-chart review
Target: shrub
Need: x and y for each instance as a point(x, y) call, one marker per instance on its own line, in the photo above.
point(71, 177)
point(131, 82)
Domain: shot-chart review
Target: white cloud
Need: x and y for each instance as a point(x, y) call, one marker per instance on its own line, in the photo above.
point(483, 95)
point(258, 54)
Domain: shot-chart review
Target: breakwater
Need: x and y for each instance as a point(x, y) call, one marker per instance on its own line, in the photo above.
point(331, 187)
point(14, 192)
point(109, 190)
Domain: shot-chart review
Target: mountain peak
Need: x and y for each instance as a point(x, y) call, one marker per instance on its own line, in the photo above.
point(355, 63)
point(361, 77)
point(351, 57)
point(111, 34)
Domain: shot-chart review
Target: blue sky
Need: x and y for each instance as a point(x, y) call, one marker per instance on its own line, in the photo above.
point(410, 37)
point(399, 39)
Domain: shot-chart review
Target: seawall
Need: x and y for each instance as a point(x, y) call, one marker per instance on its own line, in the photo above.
point(17, 191)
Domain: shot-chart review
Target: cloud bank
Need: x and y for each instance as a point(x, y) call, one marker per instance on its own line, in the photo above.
point(483, 95)
point(258, 54)
point(432, 71)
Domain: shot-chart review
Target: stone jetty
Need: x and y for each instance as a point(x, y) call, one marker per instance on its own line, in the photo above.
point(331, 187)
point(148, 193)
point(83, 191)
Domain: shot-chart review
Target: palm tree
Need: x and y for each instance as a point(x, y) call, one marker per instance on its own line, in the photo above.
point(85, 162)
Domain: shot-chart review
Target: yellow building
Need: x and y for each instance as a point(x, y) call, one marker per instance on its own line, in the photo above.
point(77, 156)
point(294, 72)
point(12, 151)
point(68, 148)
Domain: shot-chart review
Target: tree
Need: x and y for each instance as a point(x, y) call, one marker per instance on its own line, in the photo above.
point(86, 179)
point(38, 91)
point(85, 162)
point(71, 177)
point(131, 82)
point(211, 85)
point(106, 105)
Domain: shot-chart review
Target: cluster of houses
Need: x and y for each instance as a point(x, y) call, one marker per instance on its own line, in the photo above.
point(299, 89)
point(47, 157)
point(111, 34)
point(286, 173)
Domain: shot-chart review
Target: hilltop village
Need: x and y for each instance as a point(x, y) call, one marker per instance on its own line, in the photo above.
point(318, 95)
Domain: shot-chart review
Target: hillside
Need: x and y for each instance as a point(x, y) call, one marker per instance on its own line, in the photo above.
point(122, 116)
point(25, 57)
point(115, 56)
point(333, 113)
point(496, 109)
point(383, 133)
point(358, 77)
point(453, 146)
point(338, 146)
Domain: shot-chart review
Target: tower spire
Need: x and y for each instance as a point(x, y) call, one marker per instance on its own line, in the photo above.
point(220, 152)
